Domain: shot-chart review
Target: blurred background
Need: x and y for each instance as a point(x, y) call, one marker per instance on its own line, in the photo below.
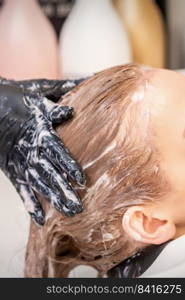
point(72, 39)
point(68, 38)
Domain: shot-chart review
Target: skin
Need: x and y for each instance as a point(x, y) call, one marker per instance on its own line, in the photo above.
point(164, 220)
point(169, 122)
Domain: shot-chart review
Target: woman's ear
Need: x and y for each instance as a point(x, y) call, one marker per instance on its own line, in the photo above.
point(144, 225)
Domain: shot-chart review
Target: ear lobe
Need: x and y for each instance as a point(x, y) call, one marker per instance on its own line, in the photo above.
point(141, 226)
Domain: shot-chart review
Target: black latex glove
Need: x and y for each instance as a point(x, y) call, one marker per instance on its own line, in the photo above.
point(52, 89)
point(31, 153)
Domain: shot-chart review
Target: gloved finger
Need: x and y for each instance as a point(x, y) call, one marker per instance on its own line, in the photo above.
point(54, 112)
point(61, 158)
point(31, 203)
point(57, 199)
point(52, 177)
point(59, 113)
point(58, 89)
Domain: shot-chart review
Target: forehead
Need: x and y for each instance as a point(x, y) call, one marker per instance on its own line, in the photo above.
point(164, 98)
point(167, 90)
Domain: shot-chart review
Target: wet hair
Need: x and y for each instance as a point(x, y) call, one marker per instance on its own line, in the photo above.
point(110, 136)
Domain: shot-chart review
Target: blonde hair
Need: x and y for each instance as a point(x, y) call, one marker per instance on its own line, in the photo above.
point(121, 168)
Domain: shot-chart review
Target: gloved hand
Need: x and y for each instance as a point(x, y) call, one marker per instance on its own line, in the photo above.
point(32, 155)
point(52, 89)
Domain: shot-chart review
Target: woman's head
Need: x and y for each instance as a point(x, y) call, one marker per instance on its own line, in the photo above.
point(119, 136)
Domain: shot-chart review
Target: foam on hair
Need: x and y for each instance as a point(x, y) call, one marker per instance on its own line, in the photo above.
point(107, 137)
